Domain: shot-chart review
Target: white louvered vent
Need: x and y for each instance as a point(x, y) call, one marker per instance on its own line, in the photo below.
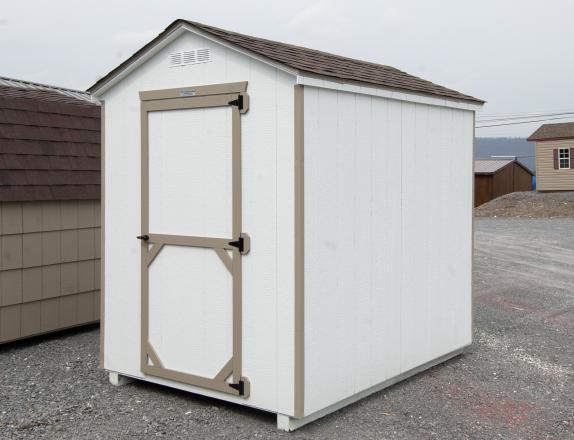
point(188, 57)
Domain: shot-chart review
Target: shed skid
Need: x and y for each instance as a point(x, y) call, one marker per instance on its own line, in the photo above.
point(277, 242)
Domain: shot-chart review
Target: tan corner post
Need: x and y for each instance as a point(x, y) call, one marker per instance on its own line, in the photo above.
point(299, 395)
point(210, 96)
point(102, 230)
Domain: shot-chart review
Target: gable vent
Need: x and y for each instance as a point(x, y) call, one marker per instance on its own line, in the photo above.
point(188, 57)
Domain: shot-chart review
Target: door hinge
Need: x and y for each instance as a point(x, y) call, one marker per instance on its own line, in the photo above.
point(143, 237)
point(243, 243)
point(239, 244)
point(239, 387)
point(237, 102)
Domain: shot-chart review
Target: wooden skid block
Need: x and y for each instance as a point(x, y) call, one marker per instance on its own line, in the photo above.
point(118, 380)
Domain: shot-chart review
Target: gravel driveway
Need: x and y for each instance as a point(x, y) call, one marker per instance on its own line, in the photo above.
point(517, 380)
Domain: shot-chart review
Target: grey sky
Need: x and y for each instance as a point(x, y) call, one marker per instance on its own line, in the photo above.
point(517, 55)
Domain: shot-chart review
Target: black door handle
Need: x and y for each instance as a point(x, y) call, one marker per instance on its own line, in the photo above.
point(143, 237)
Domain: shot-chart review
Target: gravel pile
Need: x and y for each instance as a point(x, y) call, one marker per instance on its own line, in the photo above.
point(529, 204)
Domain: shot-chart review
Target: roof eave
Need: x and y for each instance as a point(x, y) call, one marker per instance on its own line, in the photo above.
point(544, 139)
point(179, 26)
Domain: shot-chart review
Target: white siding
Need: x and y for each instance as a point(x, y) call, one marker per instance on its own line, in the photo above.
point(267, 136)
point(388, 233)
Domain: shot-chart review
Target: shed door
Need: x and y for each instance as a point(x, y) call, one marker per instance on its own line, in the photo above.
point(192, 242)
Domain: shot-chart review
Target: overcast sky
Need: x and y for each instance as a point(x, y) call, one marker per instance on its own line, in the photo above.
point(517, 55)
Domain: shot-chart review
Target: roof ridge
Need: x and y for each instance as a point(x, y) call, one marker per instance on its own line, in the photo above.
point(295, 46)
point(321, 52)
point(31, 85)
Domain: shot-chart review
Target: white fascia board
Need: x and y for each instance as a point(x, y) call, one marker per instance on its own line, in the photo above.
point(386, 93)
point(139, 61)
point(171, 37)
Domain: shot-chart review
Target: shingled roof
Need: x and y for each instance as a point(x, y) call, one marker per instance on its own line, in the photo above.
point(547, 132)
point(491, 166)
point(310, 61)
point(49, 145)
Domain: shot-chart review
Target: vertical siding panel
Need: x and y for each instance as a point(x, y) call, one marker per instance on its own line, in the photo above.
point(321, 293)
point(259, 160)
point(285, 283)
point(411, 320)
point(344, 243)
point(362, 256)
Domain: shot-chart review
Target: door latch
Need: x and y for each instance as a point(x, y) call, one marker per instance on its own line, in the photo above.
point(143, 237)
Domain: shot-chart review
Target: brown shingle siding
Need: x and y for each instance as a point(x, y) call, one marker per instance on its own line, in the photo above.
point(15, 131)
point(49, 146)
point(44, 119)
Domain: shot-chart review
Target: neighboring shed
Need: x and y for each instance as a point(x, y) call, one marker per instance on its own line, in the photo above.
point(292, 255)
point(554, 156)
point(496, 177)
point(49, 209)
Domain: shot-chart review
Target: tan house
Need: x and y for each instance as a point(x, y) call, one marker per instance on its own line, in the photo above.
point(554, 156)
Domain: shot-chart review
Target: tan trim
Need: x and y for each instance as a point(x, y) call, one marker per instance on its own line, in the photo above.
point(237, 226)
point(225, 259)
point(154, 356)
point(144, 331)
point(185, 240)
point(211, 89)
point(187, 103)
point(165, 101)
point(225, 372)
point(102, 232)
point(191, 379)
point(299, 393)
point(153, 251)
point(472, 225)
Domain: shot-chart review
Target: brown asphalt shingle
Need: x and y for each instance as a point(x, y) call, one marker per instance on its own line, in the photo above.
point(312, 61)
point(564, 130)
point(49, 146)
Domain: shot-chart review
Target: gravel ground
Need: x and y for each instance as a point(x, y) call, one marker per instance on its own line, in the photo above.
point(515, 382)
point(529, 204)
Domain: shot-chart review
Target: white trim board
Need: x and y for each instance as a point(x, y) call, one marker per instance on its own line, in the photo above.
point(385, 93)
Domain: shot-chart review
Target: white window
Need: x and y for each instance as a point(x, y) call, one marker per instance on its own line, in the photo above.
point(564, 158)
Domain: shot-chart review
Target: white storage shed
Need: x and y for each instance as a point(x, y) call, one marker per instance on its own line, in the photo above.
point(304, 222)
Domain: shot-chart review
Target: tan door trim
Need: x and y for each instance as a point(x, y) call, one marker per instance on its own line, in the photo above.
point(216, 95)
point(212, 89)
point(299, 392)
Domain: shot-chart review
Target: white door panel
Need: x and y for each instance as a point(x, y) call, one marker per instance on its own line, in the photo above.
point(190, 186)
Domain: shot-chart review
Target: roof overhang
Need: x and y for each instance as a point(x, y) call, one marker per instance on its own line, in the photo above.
point(179, 27)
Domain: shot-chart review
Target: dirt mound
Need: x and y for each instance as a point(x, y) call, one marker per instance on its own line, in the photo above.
point(529, 204)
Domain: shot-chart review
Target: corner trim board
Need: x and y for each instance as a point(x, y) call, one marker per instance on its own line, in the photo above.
point(102, 232)
point(299, 267)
